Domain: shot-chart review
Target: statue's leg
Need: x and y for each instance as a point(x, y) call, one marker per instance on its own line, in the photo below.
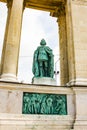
point(46, 68)
point(41, 68)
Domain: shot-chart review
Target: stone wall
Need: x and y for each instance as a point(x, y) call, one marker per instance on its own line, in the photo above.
point(78, 11)
point(11, 103)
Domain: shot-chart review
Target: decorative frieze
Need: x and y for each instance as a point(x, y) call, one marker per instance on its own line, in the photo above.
point(37, 103)
point(59, 11)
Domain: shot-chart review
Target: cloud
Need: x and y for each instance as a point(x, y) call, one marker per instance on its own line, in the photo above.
point(38, 25)
point(35, 26)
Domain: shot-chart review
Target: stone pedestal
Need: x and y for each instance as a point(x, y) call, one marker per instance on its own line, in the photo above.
point(35, 122)
point(9, 77)
point(81, 108)
point(44, 81)
point(11, 104)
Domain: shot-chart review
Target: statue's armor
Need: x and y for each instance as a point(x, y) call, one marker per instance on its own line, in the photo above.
point(42, 56)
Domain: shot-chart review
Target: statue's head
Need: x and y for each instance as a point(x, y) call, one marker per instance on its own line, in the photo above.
point(43, 42)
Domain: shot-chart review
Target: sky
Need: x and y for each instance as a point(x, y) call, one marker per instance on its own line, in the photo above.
point(35, 26)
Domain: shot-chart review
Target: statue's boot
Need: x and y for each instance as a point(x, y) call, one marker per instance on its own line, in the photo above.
point(41, 72)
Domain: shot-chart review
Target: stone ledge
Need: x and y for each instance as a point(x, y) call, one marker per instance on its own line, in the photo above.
point(35, 88)
point(36, 122)
point(80, 123)
point(80, 90)
point(77, 82)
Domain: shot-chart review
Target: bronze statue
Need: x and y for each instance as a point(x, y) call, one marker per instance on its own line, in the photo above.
point(43, 61)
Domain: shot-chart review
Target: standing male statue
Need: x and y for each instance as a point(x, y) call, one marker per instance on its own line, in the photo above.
point(43, 61)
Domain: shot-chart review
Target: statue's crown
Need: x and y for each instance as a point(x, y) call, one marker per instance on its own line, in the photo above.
point(43, 42)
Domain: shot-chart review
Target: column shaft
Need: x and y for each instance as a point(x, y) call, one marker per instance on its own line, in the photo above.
point(70, 42)
point(9, 4)
point(79, 41)
point(12, 39)
point(63, 49)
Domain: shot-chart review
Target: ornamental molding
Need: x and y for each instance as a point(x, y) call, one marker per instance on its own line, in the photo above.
point(9, 3)
point(80, 2)
point(59, 11)
point(81, 82)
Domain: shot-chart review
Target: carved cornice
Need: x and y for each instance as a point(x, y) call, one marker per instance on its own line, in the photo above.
point(59, 11)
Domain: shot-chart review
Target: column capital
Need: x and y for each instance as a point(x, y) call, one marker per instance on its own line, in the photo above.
point(61, 20)
point(9, 3)
point(59, 11)
point(24, 4)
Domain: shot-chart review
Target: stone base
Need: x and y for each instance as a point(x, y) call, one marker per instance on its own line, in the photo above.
point(11, 96)
point(77, 81)
point(11, 101)
point(35, 122)
point(44, 81)
point(8, 77)
point(80, 123)
point(81, 108)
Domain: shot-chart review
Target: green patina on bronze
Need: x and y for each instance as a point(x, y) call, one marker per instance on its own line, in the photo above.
point(36, 103)
point(43, 61)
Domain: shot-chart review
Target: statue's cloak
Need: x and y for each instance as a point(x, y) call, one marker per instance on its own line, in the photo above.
point(35, 67)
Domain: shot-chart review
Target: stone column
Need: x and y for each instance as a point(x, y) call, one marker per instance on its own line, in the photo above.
point(61, 15)
point(63, 45)
point(77, 41)
point(80, 122)
point(70, 42)
point(10, 54)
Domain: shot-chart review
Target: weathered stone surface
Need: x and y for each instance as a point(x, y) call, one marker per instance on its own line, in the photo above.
point(36, 122)
point(11, 100)
point(77, 57)
point(44, 81)
point(11, 96)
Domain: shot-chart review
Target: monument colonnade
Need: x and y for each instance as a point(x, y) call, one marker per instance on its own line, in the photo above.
point(72, 23)
point(11, 44)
